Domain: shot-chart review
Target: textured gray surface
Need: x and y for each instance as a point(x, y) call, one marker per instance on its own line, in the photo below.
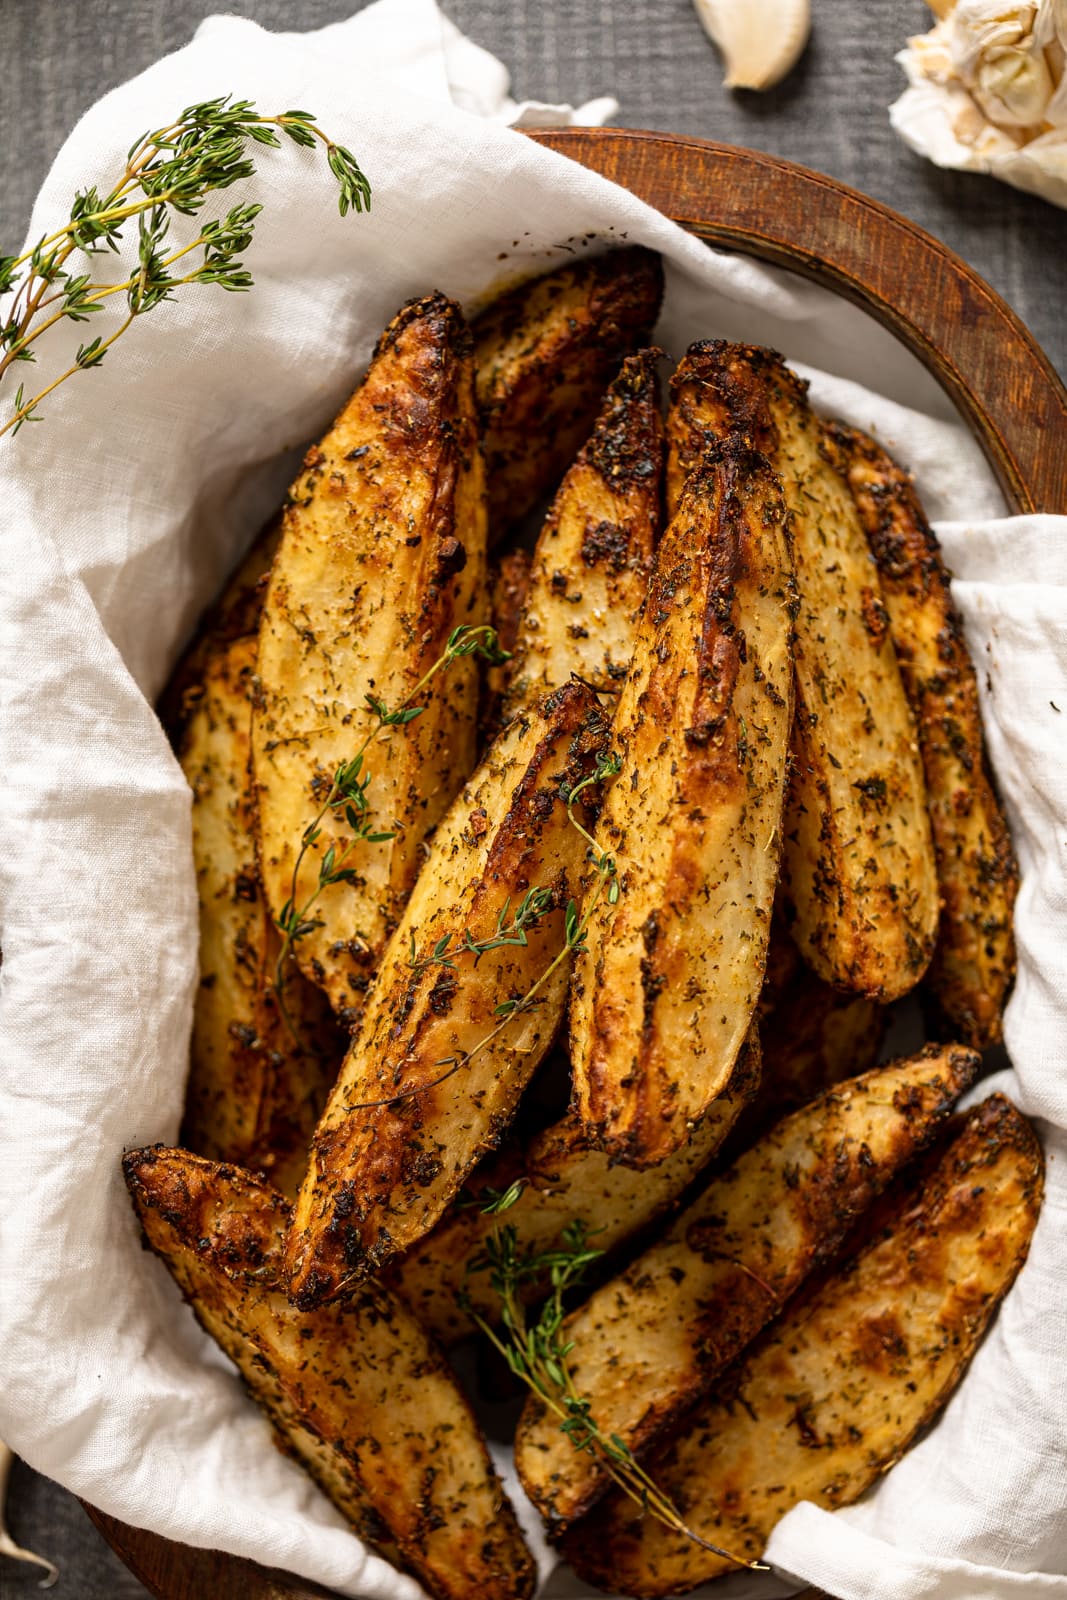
point(57, 56)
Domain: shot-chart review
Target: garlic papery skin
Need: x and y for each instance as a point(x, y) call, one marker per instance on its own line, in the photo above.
point(760, 41)
point(1013, 87)
point(8, 1547)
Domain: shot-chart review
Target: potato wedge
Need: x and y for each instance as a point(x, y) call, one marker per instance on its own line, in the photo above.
point(594, 554)
point(509, 579)
point(858, 861)
point(835, 1392)
point(815, 1038)
point(974, 959)
point(382, 555)
point(434, 1074)
point(565, 1181)
point(380, 1403)
point(545, 352)
point(254, 1095)
point(651, 1341)
point(666, 987)
point(234, 615)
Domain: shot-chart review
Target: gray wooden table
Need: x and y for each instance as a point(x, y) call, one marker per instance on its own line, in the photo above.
point(57, 56)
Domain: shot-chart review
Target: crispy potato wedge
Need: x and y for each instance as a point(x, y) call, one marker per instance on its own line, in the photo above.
point(836, 1391)
point(652, 1341)
point(858, 861)
point(974, 960)
point(816, 1037)
point(594, 554)
point(234, 615)
point(381, 1406)
point(509, 579)
point(545, 352)
point(666, 986)
point(565, 1181)
point(382, 555)
point(254, 1095)
point(434, 1074)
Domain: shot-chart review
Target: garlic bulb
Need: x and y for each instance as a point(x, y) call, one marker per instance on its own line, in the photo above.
point(8, 1547)
point(988, 92)
point(759, 40)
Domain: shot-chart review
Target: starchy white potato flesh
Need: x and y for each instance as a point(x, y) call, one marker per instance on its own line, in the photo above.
point(565, 1182)
point(382, 556)
point(974, 960)
point(362, 1376)
point(836, 1390)
point(594, 554)
point(666, 987)
point(255, 1093)
point(434, 1074)
point(858, 861)
point(651, 1341)
point(545, 352)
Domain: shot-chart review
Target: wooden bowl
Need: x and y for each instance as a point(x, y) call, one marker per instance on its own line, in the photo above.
point(975, 345)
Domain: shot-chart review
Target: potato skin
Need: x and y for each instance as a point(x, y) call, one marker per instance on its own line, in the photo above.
point(666, 987)
point(393, 1428)
point(837, 1389)
point(382, 1174)
point(591, 567)
point(381, 557)
point(858, 861)
point(974, 961)
point(253, 1095)
point(651, 1341)
point(545, 352)
point(566, 1181)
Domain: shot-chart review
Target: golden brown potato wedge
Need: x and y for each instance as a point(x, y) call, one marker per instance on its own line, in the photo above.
point(835, 1392)
point(858, 861)
point(254, 1093)
point(382, 555)
point(666, 987)
point(651, 1341)
point(434, 1074)
point(565, 1181)
point(814, 1038)
point(362, 1377)
point(509, 579)
point(974, 960)
point(545, 352)
point(594, 554)
point(234, 615)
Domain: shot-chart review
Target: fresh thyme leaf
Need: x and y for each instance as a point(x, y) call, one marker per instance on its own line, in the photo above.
point(169, 172)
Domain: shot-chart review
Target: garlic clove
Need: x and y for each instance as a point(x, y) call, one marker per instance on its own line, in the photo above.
point(759, 40)
point(8, 1547)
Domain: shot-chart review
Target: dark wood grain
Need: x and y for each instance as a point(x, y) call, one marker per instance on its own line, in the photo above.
point(936, 304)
point(939, 307)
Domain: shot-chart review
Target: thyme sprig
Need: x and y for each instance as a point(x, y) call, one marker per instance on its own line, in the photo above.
point(169, 171)
point(537, 1353)
point(346, 802)
point(575, 931)
point(510, 930)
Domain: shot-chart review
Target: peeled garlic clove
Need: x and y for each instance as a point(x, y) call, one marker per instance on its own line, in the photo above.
point(1013, 87)
point(759, 40)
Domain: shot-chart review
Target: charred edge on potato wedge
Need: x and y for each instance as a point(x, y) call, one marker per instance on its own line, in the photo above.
point(545, 352)
point(382, 556)
point(359, 1390)
point(666, 986)
point(381, 1175)
point(509, 579)
point(253, 1096)
point(594, 554)
point(566, 1181)
point(837, 1390)
point(858, 863)
point(651, 1342)
point(974, 960)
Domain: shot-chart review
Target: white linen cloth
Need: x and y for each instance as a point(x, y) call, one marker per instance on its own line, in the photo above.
point(120, 514)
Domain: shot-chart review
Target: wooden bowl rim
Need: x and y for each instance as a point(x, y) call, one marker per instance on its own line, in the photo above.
point(1002, 382)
